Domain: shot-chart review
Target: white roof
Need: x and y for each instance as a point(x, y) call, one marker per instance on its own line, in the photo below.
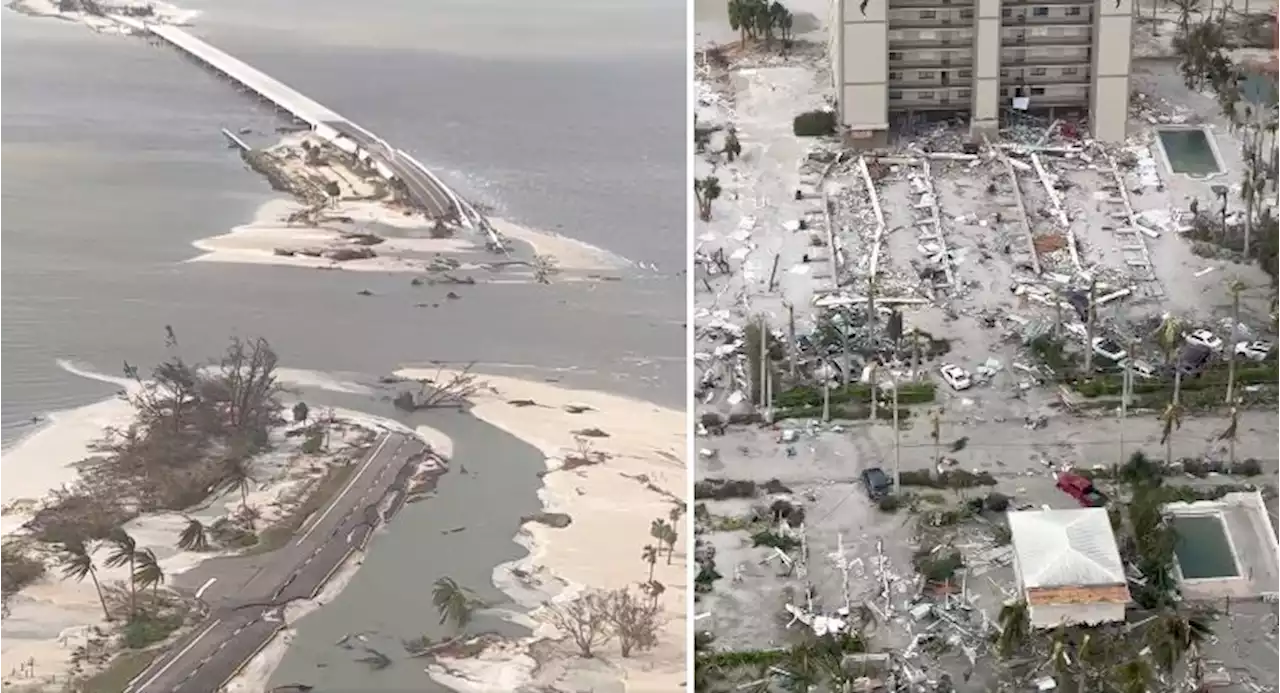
point(1065, 548)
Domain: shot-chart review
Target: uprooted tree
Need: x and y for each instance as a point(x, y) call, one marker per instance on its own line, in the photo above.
point(445, 389)
point(194, 425)
point(585, 619)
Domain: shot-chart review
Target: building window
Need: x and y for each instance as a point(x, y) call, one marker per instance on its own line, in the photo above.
point(1070, 70)
point(1037, 91)
point(964, 93)
point(895, 96)
point(1038, 72)
point(1073, 11)
point(1006, 13)
point(966, 14)
point(965, 74)
point(924, 95)
point(1004, 73)
point(895, 76)
point(894, 55)
point(1040, 11)
point(928, 14)
point(925, 74)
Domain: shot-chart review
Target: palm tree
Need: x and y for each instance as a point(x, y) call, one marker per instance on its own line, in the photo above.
point(77, 562)
point(1171, 419)
point(124, 551)
point(1168, 336)
point(1015, 625)
point(238, 475)
point(454, 602)
point(148, 572)
point(194, 537)
point(655, 590)
point(1230, 435)
point(650, 555)
point(1134, 676)
point(706, 190)
point(1173, 634)
point(662, 530)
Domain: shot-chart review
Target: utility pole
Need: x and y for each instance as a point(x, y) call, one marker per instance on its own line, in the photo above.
point(1235, 287)
point(764, 361)
point(826, 399)
point(874, 394)
point(897, 443)
point(1126, 388)
point(791, 332)
point(1092, 316)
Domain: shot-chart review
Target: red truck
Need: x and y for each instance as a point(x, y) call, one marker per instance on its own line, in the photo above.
point(1081, 489)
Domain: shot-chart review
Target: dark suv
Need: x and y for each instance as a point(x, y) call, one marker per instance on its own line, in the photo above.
point(1193, 358)
point(877, 482)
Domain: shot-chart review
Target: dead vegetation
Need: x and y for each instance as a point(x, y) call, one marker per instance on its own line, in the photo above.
point(195, 429)
point(443, 390)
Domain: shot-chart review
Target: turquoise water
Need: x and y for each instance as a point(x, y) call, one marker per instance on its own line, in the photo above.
point(1189, 151)
point(1202, 548)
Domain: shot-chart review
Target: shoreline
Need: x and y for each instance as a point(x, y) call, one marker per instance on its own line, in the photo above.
point(640, 479)
point(47, 620)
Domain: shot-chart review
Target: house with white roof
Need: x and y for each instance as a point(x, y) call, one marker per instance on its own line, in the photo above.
point(1068, 567)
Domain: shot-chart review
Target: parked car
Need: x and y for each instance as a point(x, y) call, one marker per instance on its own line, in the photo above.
point(1193, 358)
point(877, 482)
point(1254, 351)
point(1108, 349)
point(957, 377)
point(1081, 489)
point(1141, 369)
point(1205, 338)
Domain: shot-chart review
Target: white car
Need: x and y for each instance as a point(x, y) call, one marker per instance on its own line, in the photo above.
point(1109, 350)
point(1254, 351)
point(957, 377)
point(1142, 369)
point(1206, 339)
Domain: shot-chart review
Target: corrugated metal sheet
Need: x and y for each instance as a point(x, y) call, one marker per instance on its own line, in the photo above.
point(1065, 548)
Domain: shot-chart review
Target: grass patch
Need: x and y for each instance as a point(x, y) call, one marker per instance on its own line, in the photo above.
point(951, 479)
point(1215, 378)
point(806, 396)
point(777, 541)
point(841, 413)
point(725, 489)
point(937, 566)
point(280, 533)
point(123, 669)
point(148, 629)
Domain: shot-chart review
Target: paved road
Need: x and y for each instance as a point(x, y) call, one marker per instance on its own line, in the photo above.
point(425, 192)
point(245, 596)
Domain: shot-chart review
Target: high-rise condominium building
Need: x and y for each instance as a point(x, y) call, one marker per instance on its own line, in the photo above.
point(980, 57)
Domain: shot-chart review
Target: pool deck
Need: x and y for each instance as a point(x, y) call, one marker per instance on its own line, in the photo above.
point(1210, 139)
point(1253, 541)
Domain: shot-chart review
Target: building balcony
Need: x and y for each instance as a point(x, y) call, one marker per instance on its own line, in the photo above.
point(936, 59)
point(1055, 35)
point(1044, 96)
point(930, 19)
point(938, 98)
point(931, 78)
point(1040, 76)
point(930, 38)
point(1041, 16)
point(1045, 3)
point(931, 4)
point(1046, 55)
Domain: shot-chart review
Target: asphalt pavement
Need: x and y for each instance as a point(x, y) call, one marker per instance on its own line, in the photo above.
point(245, 596)
point(422, 188)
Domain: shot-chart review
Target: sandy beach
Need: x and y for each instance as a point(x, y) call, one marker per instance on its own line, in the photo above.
point(612, 505)
point(49, 619)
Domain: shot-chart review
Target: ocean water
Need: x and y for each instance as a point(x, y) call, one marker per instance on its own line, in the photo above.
point(567, 115)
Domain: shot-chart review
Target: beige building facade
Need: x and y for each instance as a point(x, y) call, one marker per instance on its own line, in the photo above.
point(980, 57)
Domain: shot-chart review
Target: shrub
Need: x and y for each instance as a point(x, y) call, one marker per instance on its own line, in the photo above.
point(314, 442)
point(889, 504)
point(723, 489)
point(814, 124)
point(951, 479)
point(996, 502)
point(19, 568)
point(147, 629)
point(777, 541)
point(937, 566)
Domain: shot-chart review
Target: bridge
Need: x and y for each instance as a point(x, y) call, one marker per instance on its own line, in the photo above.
point(425, 190)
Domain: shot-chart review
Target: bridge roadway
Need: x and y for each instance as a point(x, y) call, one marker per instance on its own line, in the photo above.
point(246, 595)
point(425, 190)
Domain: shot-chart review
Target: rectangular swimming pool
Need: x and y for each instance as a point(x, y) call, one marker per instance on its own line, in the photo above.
point(1202, 548)
point(1189, 151)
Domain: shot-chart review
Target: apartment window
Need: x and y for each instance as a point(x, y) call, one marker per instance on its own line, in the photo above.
point(1070, 70)
point(964, 93)
point(1073, 11)
point(928, 14)
point(895, 96)
point(895, 76)
point(964, 74)
point(924, 95)
point(1040, 11)
point(1006, 12)
point(1038, 72)
point(1037, 91)
point(966, 14)
point(925, 74)
point(1004, 73)
point(894, 55)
